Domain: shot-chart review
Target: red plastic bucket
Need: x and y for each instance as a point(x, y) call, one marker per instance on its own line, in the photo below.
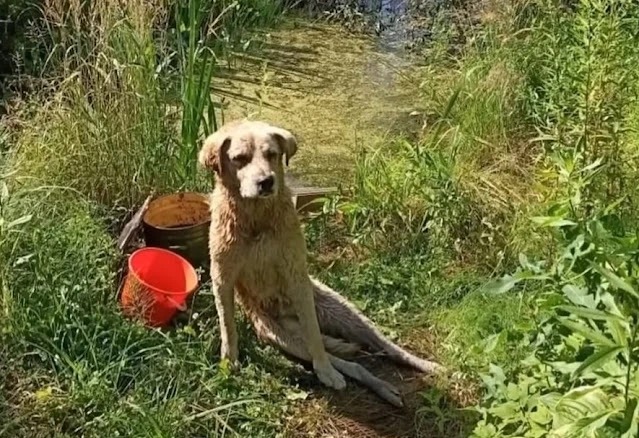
point(157, 285)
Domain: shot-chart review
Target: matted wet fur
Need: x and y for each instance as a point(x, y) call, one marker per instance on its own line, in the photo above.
point(258, 255)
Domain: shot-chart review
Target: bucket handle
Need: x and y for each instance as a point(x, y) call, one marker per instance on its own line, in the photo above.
point(180, 307)
point(177, 247)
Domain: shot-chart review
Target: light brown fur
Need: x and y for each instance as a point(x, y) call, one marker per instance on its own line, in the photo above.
point(258, 255)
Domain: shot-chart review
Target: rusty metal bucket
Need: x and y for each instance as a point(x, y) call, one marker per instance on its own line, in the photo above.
point(180, 223)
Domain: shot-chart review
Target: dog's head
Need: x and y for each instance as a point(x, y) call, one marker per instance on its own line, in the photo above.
point(247, 157)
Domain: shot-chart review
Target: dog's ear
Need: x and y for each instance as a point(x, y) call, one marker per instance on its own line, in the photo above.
point(286, 140)
point(211, 155)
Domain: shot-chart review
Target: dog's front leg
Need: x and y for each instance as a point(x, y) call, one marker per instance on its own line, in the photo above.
point(223, 290)
point(304, 304)
point(228, 332)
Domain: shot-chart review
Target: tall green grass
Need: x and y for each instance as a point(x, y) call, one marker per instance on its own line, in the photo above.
point(461, 189)
point(74, 366)
point(539, 78)
point(530, 130)
point(198, 64)
point(117, 84)
point(122, 102)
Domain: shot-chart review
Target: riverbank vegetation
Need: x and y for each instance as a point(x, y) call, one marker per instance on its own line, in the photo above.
point(492, 226)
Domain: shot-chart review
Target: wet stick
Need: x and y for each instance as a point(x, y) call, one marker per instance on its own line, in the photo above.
point(130, 229)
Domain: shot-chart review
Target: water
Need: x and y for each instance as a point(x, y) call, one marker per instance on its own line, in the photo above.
point(337, 92)
point(390, 25)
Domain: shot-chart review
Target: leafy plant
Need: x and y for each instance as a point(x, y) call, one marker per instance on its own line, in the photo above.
point(583, 378)
point(574, 57)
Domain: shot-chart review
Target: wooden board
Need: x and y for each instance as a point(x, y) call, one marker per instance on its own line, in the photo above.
point(306, 198)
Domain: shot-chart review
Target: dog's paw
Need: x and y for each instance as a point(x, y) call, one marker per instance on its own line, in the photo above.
point(329, 376)
point(230, 366)
point(234, 365)
point(391, 394)
point(230, 356)
point(428, 367)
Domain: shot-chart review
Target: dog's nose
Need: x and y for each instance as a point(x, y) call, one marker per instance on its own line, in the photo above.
point(266, 185)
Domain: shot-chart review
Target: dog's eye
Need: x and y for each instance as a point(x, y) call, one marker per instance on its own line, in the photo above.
point(270, 155)
point(240, 160)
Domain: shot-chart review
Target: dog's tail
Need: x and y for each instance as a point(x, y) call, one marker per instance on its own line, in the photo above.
point(338, 317)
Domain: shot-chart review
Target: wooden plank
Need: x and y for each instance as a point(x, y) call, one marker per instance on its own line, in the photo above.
point(313, 190)
point(304, 197)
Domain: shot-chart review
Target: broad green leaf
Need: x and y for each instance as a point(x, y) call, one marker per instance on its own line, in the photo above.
point(497, 372)
point(611, 306)
point(513, 392)
point(550, 400)
point(541, 415)
point(598, 359)
point(573, 341)
point(592, 335)
point(584, 427)
point(579, 296)
point(536, 431)
point(620, 331)
point(615, 281)
point(484, 430)
point(564, 367)
point(505, 411)
point(502, 285)
point(552, 221)
point(619, 327)
point(492, 341)
point(582, 401)
point(597, 315)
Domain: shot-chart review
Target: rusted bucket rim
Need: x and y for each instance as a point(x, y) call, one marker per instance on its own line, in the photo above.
point(153, 203)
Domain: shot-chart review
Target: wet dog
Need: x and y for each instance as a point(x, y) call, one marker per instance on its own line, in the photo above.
point(258, 257)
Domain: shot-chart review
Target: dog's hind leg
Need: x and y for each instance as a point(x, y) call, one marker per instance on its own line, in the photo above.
point(338, 317)
point(335, 346)
point(286, 338)
point(382, 388)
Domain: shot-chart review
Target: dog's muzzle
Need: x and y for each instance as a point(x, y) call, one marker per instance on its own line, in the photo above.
point(265, 186)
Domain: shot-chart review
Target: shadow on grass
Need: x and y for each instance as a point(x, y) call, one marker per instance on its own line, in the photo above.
point(432, 409)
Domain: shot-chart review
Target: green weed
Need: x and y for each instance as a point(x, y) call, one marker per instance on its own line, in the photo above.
point(581, 379)
point(102, 131)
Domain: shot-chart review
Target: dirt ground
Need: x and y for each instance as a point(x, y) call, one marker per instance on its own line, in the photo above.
point(433, 406)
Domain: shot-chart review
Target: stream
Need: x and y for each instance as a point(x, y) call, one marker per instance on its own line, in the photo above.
point(336, 91)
